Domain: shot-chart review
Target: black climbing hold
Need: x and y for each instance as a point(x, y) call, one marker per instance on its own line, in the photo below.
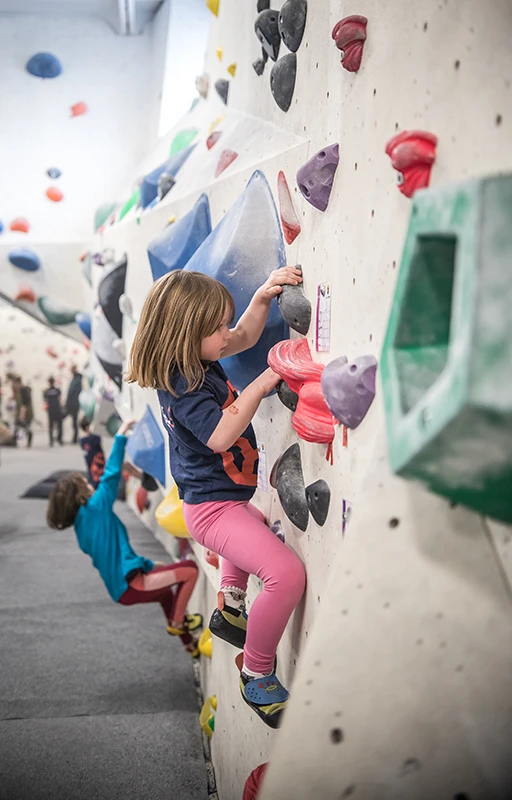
point(165, 184)
point(109, 291)
point(222, 89)
point(294, 306)
point(318, 496)
point(262, 5)
point(264, 55)
point(258, 66)
point(148, 483)
point(287, 397)
point(290, 487)
point(267, 31)
point(282, 80)
point(292, 21)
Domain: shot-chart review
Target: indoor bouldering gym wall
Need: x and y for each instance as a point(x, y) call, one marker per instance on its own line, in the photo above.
point(371, 144)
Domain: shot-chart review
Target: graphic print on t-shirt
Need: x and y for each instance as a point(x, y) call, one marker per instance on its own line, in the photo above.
point(241, 457)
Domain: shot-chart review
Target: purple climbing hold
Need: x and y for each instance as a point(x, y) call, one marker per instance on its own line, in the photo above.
point(349, 388)
point(282, 80)
point(276, 528)
point(292, 21)
point(316, 176)
point(267, 31)
point(222, 89)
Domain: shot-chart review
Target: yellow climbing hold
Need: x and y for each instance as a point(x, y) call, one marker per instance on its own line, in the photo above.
point(169, 515)
point(232, 69)
point(215, 122)
point(171, 220)
point(205, 643)
point(206, 718)
point(220, 53)
point(213, 6)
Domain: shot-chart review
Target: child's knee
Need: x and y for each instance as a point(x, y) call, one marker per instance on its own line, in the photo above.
point(289, 577)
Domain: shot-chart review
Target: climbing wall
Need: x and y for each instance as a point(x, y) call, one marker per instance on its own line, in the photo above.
point(398, 657)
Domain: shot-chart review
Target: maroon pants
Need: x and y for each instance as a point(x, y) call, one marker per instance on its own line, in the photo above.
point(171, 586)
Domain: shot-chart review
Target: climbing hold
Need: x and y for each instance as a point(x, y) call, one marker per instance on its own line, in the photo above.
point(149, 483)
point(102, 338)
point(232, 69)
point(86, 398)
point(174, 247)
point(113, 424)
point(20, 224)
point(120, 348)
point(318, 496)
point(213, 138)
point(222, 89)
point(290, 487)
point(83, 320)
point(277, 529)
point(259, 66)
point(149, 186)
point(53, 173)
point(54, 194)
point(146, 447)
point(316, 176)
point(203, 84)
point(292, 21)
point(206, 717)
point(289, 219)
point(267, 31)
point(286, 396)
point(110, 289)
point(50, 351)
point(126, 308)
point(262, 5)
point(216, 122)
point(219, 51)
point(213, 6)
point(240, 252)
point(295, 306)
point(349, 388)
point(56, 313)
point(350, 36)
point(102, 213)
point(1, 227)
point(78, 109)
point(282, 80)
point(132, 201)
point(253, 783)
point(25, 259)
point(103, 411)
point(412, 154)
point(212, 559)
point(44, 65)
point(225, 159)
point(169, 515)
point(142, 500)
point(205, 643)
point(182, 140)
point(165, 184)
point(25, 294)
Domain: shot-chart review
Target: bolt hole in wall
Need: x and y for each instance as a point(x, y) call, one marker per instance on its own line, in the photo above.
point(394, 522)
point(336, 735)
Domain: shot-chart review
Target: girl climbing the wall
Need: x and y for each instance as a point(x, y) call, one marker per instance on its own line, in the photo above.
point(183, 332)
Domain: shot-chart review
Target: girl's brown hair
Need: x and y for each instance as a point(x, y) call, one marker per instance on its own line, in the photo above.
point(181, 309)
point(68, 494)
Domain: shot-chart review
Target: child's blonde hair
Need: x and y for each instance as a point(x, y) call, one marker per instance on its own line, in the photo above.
point(181, 309)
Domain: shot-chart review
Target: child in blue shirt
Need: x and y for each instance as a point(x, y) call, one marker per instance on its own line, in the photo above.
point(129, 578)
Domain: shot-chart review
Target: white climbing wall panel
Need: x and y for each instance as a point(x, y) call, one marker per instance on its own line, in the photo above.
point(399, 658)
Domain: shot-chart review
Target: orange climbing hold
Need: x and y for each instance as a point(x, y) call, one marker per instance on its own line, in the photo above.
point(54, 194)
point(78, 109)
point(226, 158)
point(25, 294)
point(20, 224)
point(289, 220)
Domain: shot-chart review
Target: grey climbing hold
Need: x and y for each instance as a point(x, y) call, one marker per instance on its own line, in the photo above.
point(290, 487)
point(258, 66)
point(318, 496)
point(316, 176)
point(262, 5)
point(282, 80)
point(287, 396)
point(295, 307)
point(292, 21)
point(349, 388)
point(222, 89)
point(264, 55)
point(267, 31)
point(165, 184)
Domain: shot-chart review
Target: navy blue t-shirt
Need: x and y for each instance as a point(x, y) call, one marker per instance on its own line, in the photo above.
point(201, 474)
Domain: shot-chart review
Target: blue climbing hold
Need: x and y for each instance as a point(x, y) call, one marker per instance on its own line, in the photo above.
point(44, 65)
point(25, 259)
point(241, 251)
point(149, 186)
point(178, 242)
point(83, 320)
point(1, 227)
point(146, 447)
point(53, 173)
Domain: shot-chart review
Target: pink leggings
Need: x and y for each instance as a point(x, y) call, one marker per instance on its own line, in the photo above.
point(237, 531)
point(171, 586)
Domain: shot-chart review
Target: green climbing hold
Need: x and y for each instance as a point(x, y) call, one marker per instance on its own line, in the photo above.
point(130, 203)
point(102, 214)
point(55, 313)
point(182, 140)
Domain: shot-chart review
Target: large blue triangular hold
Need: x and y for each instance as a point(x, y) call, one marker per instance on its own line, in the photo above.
point(149, 186)
point(241, 252)
point(178, 242)
point(146, 447)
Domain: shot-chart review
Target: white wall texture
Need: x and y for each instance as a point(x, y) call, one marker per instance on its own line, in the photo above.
point(404, 639)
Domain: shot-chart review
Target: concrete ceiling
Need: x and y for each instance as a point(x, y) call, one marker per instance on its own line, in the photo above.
point(125, 16)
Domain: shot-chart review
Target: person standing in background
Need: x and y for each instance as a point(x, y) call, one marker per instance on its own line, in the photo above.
point(52, 399)
point(72, 404)
point(24, 413)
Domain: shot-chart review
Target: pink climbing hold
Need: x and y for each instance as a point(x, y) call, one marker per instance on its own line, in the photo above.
point(50, 351)
point(213, 138)
point(412, 154)
point(226, 158)
point(350, 36)
point(289, 219)
point(78, 109)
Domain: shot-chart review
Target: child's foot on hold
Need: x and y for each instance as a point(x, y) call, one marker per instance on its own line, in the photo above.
point(263, 693)
point(229, 620)
point(190, 623)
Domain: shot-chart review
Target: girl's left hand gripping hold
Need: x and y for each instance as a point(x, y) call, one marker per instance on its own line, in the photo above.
point(276, 280)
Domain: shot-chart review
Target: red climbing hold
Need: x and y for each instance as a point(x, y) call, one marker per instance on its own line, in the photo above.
point(212, 559)
point(78, 109)
point(142, 500)
point(50, 351)
point(289, 220)
point(253, 783)
point(412, 154)
point(226, 158)
point(213, 138)
point(25, 294)
point(54, 194)
point(20, 224)
point(350, 35)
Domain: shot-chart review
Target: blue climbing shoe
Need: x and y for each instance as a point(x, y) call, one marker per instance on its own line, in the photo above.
point(266, 696)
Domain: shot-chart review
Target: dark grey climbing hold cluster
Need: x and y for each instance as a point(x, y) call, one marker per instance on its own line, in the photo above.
point(282, 80)
point(294, 306)
point(222, 89)
point(262, 5)
point(267, 31)
point(318, 496)
point(287, 396)
point(288, 479)
point(292, 21)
